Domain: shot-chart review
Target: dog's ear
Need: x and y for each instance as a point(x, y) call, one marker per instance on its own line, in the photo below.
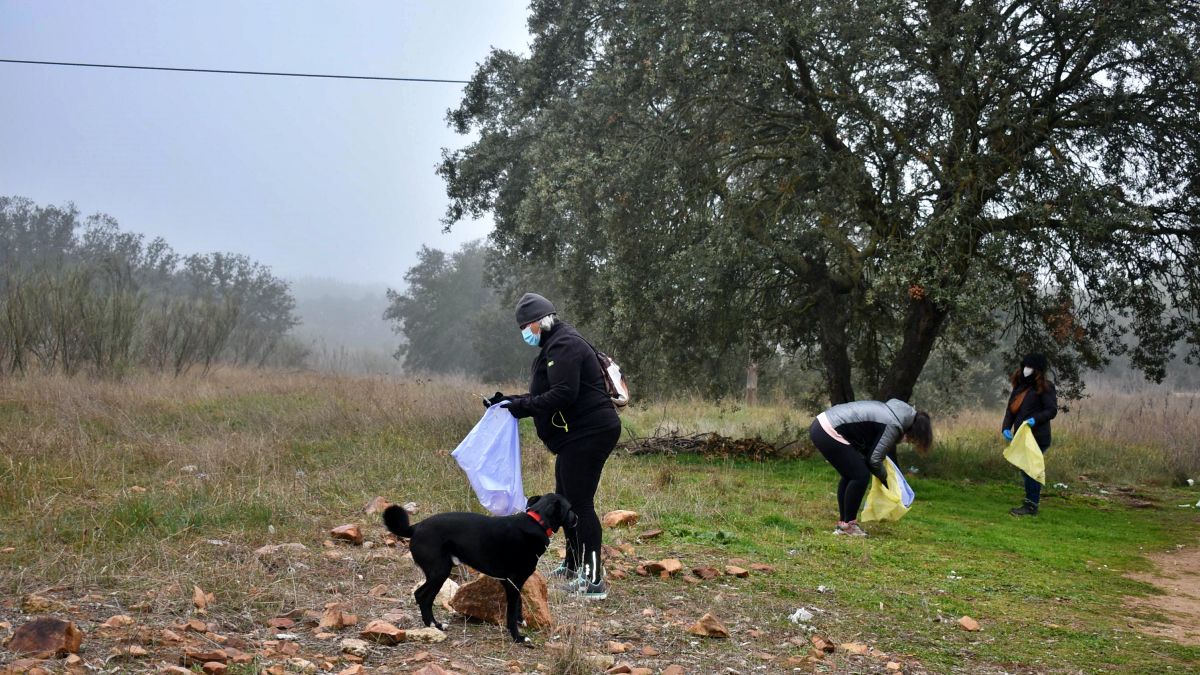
point(531, 501)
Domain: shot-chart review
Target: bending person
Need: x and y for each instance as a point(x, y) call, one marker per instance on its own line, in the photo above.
point(855, 438)
point(577, 421)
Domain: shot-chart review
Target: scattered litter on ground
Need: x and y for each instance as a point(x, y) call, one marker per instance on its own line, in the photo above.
point(1061, 486)
point(801, 615)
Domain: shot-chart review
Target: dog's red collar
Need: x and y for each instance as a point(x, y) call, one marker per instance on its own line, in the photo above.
point(538, 519)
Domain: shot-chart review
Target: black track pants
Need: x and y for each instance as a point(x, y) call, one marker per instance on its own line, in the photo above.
point(850, 463)
point(577, 468)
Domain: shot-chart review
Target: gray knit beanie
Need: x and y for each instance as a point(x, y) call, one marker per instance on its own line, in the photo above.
point(532, 307)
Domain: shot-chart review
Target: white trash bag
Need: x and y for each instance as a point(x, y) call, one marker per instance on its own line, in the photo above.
point(491, 457)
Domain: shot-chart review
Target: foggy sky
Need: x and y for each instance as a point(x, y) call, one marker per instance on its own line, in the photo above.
point(316, 178)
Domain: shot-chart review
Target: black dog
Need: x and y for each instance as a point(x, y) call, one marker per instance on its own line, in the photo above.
point(505, 548)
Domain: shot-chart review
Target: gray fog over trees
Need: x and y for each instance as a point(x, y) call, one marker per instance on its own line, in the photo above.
point(868, 183)
point(80, 295)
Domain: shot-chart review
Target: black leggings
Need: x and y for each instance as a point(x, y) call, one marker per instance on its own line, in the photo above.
point(850, 463)
point(577, 468)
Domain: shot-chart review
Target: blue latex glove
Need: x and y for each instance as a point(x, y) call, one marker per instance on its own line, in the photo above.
point(1030, 421)
point(1007, 434)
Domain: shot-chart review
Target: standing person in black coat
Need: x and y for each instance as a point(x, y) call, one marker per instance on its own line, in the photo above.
point(1033, 402)
point(576, 419)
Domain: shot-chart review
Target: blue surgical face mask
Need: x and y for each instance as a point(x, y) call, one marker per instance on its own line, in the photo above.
point(531, 338)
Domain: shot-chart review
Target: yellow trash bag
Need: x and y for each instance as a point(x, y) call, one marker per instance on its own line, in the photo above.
point(1025, 454)
point(890, 502)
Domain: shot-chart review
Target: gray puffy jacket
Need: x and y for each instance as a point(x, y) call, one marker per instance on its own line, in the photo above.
point(873, 428)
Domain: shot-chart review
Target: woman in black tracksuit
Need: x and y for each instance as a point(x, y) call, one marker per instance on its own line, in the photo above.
point(576, 419)
point(856, 438)
point(1033, 402)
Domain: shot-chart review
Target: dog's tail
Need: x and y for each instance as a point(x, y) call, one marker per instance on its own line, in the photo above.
point(396, 519)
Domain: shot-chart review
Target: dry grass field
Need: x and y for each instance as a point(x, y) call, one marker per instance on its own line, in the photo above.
point(120, 497)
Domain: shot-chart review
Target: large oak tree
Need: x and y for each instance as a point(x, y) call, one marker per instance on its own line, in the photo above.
point(864, 180)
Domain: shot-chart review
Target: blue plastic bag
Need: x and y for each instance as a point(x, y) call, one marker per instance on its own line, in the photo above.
point(491, 457)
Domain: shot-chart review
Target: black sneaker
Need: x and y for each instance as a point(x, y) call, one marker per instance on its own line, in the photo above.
point(1026, 509)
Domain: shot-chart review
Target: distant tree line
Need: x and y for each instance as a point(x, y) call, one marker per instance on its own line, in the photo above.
point(80, 295)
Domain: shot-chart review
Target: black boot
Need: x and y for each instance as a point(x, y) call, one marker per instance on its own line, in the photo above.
point(1027, 509)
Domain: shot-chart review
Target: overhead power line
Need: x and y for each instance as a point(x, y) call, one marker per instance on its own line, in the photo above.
point(236, 72)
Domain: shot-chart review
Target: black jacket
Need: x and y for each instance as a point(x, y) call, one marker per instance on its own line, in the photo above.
point(567, 399)
point(1041, 407)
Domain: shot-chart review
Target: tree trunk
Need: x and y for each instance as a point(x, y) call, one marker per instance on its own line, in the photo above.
point(833, 317)
point(752, 383)
point(922, 325)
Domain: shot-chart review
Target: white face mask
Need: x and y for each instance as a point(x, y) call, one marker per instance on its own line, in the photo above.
point(1028, 371)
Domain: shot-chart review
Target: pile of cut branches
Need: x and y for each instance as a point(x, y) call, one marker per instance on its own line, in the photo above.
point(711, 445)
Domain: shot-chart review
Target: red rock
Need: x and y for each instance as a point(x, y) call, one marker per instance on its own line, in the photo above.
point(619, 518)
point(617, 573)
point(855, 648)
point(709, 626)
point(824, 645)
point(968, 624)
point(894, 666)
point(336, 619)
point(706, 572)
point(614, 647)
point(118, 621)
point(355, 669)
point(281, 623)
point(196, 626)
point(735, 571)
point(627, 549)
point(674, 669)
point(196, 656)
point(668, 565)
point(484, 599)
point(46, 636)
point(201, 599)
point(620, 669)
point(376, 505)
point(760, 567)
point(175, 670)
point(650, 534)
point(214, 668)
point(350, 533)
point(649, 651)
point(378, 591)
point(641, 571)
point(642, 671)
point(382, 632)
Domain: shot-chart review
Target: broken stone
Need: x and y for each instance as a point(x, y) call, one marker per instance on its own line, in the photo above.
point(277, 549)
point(760, 567)
point(174, 670)
point(355, 669)
point(674, 669)
point(376, 505)
point(280, 623)
point(46, 636)
point(650, 534)
point(642, 671)
point(382, 632)
point(336, 619)
point(195, 656)
point(619, 518)
point(706, 573)
point(620, 669)
point(968, 624)
point(429, 635)
point(649, 651)
point(822, 644)
point(894, 666)
point(118, 621)
point(168, 636)
point(355, 646)
point(855, 648)
point(735, 571)
point(302, 665)
point(484, 599)
point(201, 599)
point(350, 533)
point(614, 647)
point(669, 566)
point(709, 626)
point(445, 594)
point(214, 668)
point(36, 604)
point(379, 591)
point(195, 626)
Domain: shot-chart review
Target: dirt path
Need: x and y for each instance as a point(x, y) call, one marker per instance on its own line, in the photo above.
point(1177, 575)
